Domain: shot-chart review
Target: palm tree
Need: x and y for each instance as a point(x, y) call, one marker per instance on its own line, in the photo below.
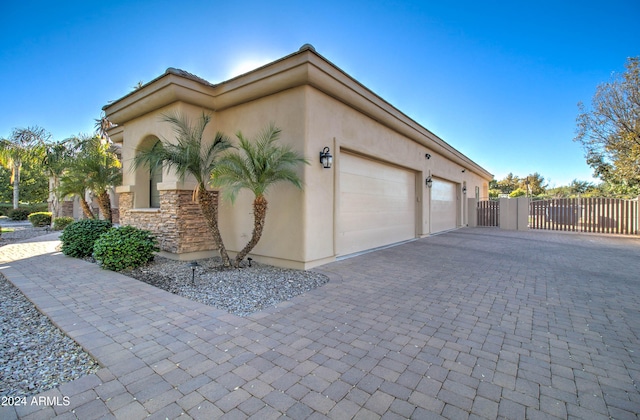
point(58, 157)
point(258, 165)
point(102, 126)
point(192, 156)
point(74, 183)
point(24, 144)
point(102, 168)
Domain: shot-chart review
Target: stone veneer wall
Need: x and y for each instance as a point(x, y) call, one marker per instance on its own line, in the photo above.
point(178, 223)
point(66, 208)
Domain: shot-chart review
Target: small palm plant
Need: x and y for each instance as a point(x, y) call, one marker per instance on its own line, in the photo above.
point(73, 183)
point(256, 166)
point(99, 164)
point(191, 155)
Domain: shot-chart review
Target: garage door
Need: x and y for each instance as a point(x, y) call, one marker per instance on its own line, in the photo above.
point(377, 204)
point(444, 208)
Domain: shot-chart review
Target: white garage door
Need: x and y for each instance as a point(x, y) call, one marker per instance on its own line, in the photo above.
point(444, 208)
point(377, 204)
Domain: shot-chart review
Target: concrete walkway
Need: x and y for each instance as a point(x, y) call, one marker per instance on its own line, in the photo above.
point(475, 323)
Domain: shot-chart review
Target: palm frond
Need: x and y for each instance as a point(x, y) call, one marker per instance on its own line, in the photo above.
point(189, 153)
point(258, 164)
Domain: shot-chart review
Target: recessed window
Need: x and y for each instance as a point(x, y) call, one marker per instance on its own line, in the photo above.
point(155, 177)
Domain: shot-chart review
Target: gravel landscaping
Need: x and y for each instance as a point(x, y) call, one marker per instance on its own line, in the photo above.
point(240, 291)
point(21, 233)
point(35, 355)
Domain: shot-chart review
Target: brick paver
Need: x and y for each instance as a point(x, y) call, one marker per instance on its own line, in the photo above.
point(475, 323)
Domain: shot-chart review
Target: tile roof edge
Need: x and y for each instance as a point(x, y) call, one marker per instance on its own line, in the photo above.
point(186, 74)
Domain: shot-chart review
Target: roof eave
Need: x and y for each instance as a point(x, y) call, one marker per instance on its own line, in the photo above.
point(303, 67)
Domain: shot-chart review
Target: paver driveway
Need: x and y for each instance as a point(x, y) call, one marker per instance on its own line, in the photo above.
point(475, 323)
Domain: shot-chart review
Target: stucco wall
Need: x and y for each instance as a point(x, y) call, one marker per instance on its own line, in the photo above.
point(284, 231)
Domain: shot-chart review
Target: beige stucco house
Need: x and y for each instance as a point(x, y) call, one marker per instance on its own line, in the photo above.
point(392, 180)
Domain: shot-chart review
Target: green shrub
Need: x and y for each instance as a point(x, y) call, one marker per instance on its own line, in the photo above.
point(19, 214)
point(40, 219)
point(37, 207)
point(78, 238)
point(5, 208)
point(124, 247)
point(59, 223)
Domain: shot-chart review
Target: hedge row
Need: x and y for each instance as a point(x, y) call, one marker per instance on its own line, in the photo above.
point(8, 210)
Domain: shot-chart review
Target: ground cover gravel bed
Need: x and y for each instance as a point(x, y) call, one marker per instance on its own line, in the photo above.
point(35, 355)
point(21, 233)
point(241, 291)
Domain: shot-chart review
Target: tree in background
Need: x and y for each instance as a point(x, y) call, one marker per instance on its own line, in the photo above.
point(260, 164)
point(610, 130)
point(580, 187)
point(518, 192)
point(58, 157)
point(533, 184)
point(514, 186)
point(34, 186)
point(25, 144)
point(509, 184)
point(494, 190)
point(68, 179)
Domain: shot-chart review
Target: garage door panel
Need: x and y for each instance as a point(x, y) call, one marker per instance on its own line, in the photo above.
point(444, 206)
point(371, 203)
point(362, 166)
point(359, 240)
point(374, 220)
point(377, 204)
point(373, 185)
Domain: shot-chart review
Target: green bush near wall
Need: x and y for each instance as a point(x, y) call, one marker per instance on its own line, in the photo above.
point(124, 248)
point(78, 238)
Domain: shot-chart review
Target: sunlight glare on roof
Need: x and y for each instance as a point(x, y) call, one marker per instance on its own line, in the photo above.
point(245, 65)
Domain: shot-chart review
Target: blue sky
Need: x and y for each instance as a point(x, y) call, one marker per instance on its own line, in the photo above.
point(498, 80)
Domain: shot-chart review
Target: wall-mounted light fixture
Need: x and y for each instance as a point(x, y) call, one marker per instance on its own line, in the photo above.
point(464, 189)
point(325, 158)
point(464, 170)
point(428, 156)
point(429, 182)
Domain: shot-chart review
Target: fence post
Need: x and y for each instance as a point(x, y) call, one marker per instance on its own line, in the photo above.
point(472, 212)
point(508, 211)
point(522, 222)
point(637, 227)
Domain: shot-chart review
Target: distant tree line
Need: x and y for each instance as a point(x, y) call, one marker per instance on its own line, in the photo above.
point(534, 186)
point(29, 160)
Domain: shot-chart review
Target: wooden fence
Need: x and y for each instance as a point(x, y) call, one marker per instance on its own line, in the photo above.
point(599, 215)
point(488, 213)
